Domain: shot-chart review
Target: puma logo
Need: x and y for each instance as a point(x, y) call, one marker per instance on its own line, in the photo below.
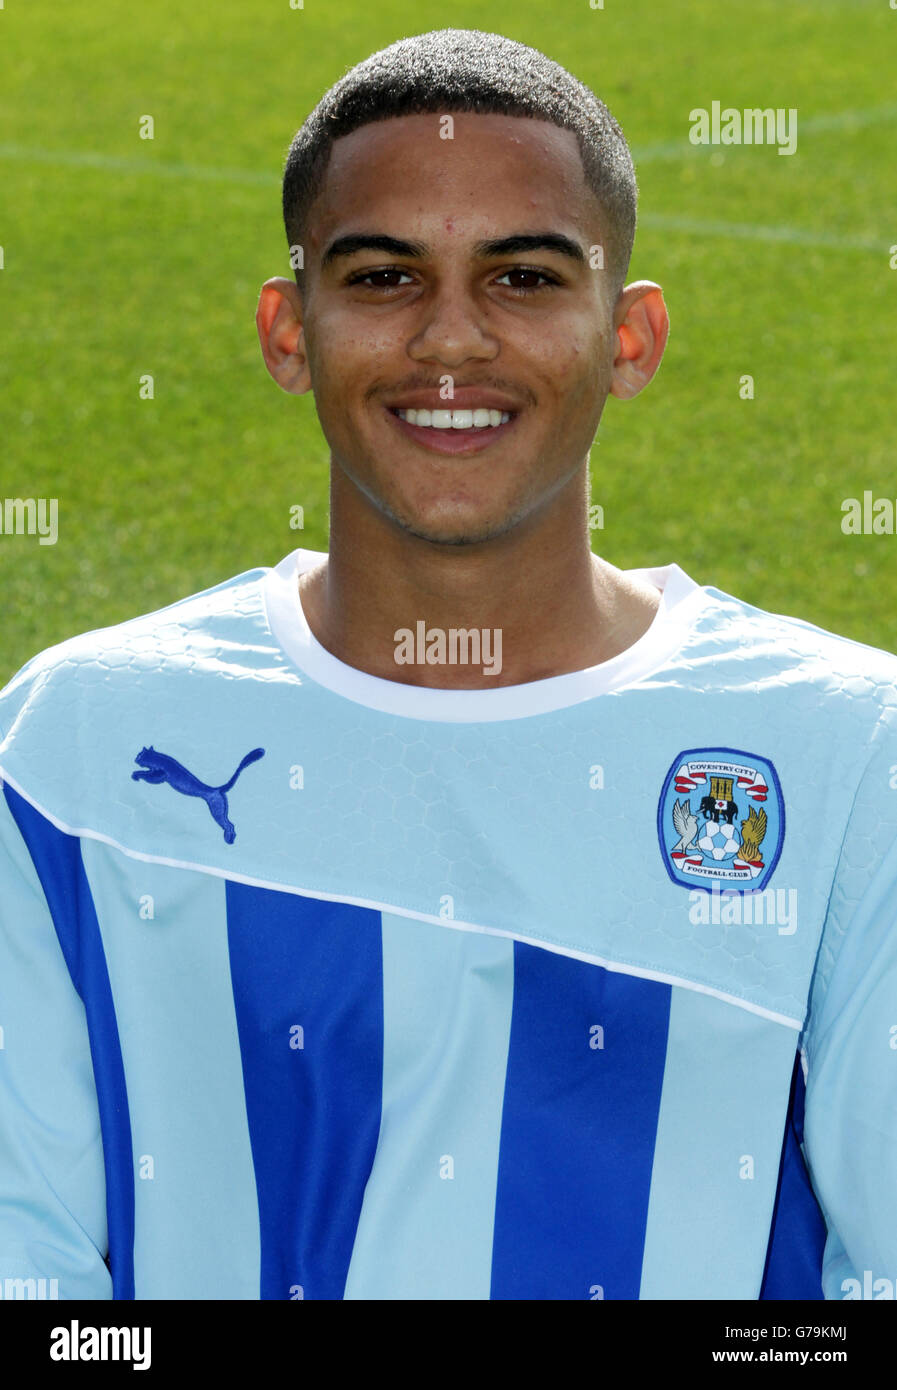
point(159, 767)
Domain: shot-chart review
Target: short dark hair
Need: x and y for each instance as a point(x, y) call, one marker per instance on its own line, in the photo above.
point(452, 70)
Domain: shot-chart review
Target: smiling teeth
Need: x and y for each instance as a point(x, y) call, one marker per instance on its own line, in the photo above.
point(455, 419)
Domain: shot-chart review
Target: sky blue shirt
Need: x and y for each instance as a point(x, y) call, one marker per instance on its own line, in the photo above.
point(317, 985)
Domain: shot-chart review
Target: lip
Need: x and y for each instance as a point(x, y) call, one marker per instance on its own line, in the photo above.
point(472, 441)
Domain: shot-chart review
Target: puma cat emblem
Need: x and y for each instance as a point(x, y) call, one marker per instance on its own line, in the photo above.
point(159, 767)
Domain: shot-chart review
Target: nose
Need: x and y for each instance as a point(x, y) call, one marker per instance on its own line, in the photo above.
point(453, 328)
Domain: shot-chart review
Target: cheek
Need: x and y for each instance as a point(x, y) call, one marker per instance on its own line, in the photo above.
point(569, 363)
point(345, 321)
point(346, 352)
point(569, 343)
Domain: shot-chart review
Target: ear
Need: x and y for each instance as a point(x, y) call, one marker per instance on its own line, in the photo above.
point(642, 325)
point(278, 319)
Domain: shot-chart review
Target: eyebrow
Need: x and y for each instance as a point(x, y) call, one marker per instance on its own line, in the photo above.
point(416, 250)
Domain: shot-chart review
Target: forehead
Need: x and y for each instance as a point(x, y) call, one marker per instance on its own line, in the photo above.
point(404, 173)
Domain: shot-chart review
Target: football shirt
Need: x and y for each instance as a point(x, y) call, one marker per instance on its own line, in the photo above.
point(318, 985)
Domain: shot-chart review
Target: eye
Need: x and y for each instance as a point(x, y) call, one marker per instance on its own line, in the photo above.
point(374, 278)
point(530, 273)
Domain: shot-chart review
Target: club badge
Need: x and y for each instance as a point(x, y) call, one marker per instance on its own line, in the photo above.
point(721, 819)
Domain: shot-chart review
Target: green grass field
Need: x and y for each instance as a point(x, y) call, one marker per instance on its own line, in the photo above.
point(124, 257)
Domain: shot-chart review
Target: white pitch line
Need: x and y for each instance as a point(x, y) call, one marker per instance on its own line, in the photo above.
point(809, 125)
point(671, 149)
point(116, 164)
point(749, 231)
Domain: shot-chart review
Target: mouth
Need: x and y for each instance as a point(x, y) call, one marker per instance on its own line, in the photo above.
point(454, 431)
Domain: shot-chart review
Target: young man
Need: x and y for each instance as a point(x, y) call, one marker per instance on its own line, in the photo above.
point(453, 915)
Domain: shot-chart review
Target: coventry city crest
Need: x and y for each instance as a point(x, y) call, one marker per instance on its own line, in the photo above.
point(721, 819)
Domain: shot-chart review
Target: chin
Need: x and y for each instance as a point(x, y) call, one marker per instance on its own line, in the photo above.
point(441, 531)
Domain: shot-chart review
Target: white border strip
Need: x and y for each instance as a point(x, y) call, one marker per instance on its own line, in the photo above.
point(614, 966)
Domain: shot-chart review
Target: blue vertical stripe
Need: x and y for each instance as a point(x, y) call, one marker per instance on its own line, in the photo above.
point(798, 1235)
point(314, 1110)
point(578, 1129)
point(57, 860)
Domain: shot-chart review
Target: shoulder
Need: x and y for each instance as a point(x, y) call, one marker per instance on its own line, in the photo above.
point(814, 664)
point(95, 663)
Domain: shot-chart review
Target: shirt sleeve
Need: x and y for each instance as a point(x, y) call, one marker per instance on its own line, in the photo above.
point(53, 1225)
point(850, 1045)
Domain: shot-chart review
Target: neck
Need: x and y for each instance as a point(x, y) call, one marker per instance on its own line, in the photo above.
point(541, 603)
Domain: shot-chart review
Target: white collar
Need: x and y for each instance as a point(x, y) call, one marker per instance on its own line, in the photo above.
point(680, 597)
